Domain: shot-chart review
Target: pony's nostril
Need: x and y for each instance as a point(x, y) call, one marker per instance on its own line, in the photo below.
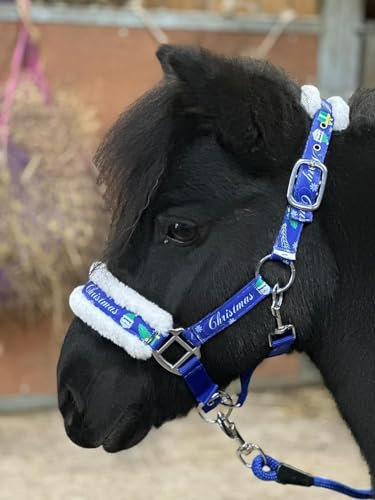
point(72, 409)
point(71, 406)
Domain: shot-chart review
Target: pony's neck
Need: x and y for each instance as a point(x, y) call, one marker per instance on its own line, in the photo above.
point(343, 346)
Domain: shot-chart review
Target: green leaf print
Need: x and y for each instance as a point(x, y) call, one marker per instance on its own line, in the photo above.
point(144, 332)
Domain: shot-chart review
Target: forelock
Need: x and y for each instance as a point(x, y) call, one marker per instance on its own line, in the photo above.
point(133, 158)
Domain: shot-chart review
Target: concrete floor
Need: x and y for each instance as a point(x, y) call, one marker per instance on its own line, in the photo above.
point(186, 459)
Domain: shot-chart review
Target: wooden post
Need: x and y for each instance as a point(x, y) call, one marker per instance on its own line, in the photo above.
point(340, 47)
point(339, 73)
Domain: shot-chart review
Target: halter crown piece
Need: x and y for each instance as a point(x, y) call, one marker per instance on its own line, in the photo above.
point(143, 329)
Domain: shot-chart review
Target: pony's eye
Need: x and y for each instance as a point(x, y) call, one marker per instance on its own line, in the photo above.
point(182, 232)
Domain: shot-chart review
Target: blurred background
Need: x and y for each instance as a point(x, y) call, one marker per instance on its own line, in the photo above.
point(66, 71)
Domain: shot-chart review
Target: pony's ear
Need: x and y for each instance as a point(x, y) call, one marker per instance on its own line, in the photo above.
point(250, 105)
point(184, 63)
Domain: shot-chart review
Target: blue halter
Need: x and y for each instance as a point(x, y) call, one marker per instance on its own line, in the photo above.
point(304, 195)
point(305, 192)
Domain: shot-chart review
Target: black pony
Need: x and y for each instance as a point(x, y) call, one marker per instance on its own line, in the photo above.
point(196, 175)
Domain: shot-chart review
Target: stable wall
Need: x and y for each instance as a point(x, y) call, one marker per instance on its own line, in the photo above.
point(108, 68)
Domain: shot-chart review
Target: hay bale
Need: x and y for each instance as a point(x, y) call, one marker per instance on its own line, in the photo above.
point(52, 215)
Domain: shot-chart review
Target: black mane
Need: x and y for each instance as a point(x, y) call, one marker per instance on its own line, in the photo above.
point(132, 160)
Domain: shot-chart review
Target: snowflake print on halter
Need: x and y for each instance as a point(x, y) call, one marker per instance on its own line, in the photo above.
point(199, 329)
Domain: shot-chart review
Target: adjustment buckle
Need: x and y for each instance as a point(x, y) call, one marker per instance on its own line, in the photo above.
point(282, 331)
point(175, 338)
point(313, 163)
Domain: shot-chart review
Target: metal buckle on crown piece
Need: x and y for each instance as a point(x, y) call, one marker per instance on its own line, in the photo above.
point(307, 206)
point(175, 337)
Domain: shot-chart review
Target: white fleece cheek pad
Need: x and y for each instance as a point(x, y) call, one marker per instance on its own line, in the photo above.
point(159, 319)
point(311, 101)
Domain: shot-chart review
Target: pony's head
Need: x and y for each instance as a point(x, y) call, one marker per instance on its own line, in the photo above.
point(196, 174)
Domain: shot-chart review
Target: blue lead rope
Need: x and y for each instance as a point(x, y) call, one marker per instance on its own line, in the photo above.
point(322, 482)
point(286, 474)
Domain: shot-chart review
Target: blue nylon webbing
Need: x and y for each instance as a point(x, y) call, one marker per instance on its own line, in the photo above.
point(306, 187)
point(228, 313)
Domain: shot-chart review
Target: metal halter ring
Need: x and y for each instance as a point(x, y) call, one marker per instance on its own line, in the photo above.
point(292, 268)
point(228, 400)
point(225, 400)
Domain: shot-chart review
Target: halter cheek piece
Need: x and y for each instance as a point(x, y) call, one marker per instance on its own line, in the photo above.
point(143, 329)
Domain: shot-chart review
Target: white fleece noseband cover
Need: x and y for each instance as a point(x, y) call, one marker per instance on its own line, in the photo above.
point(87, 301)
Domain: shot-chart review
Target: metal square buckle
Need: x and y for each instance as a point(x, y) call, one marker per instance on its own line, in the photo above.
point(175, 337)
point(306, 206)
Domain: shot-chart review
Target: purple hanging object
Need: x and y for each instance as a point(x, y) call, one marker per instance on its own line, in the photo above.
point(25, 59)
point(6, 291)
point(18, 158)
point(31, 64)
